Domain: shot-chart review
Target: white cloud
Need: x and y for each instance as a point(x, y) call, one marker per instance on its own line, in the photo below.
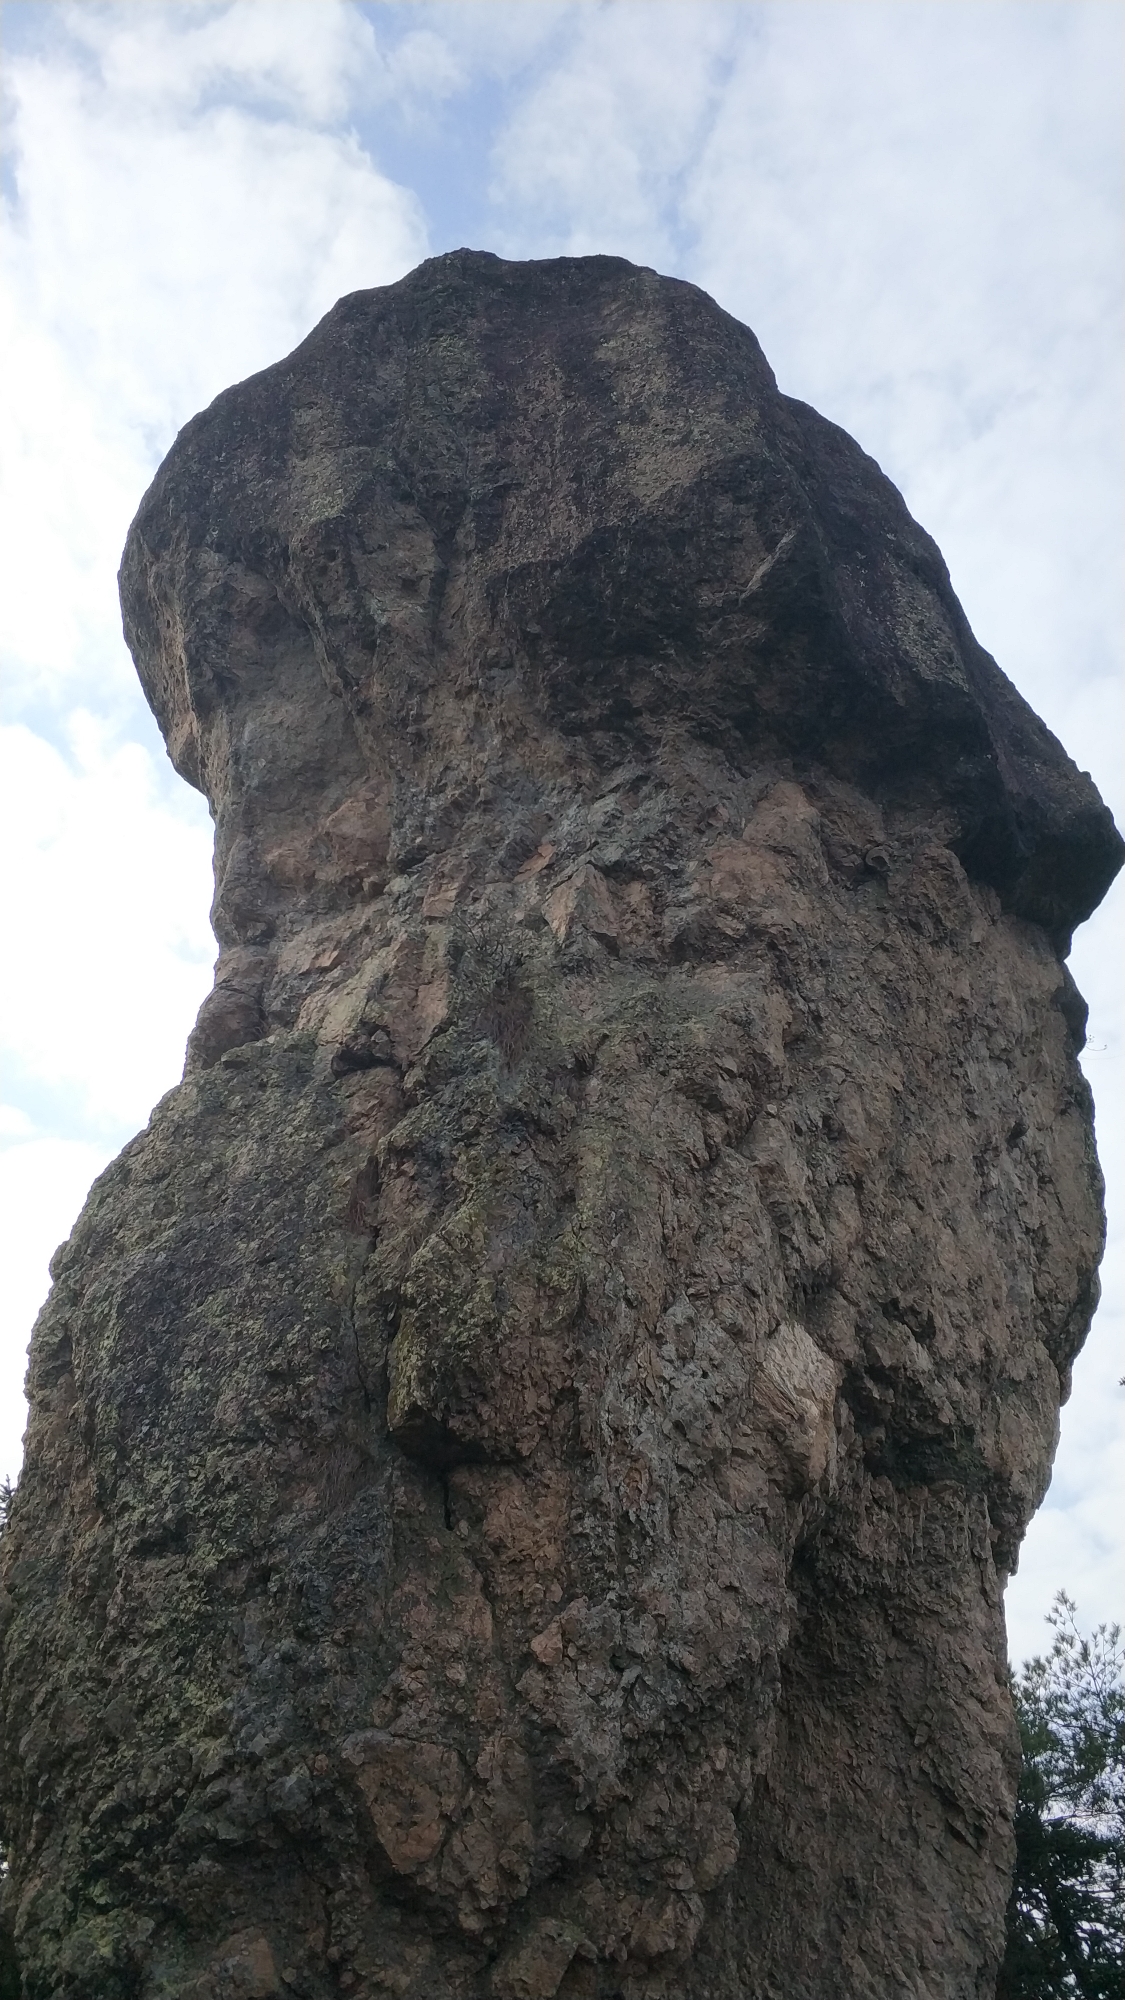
point(593, 157)
point(423, 68)
point(493, 40)
point(166, 240)
point(174, 55)
point(107, 913)
point(171, 247)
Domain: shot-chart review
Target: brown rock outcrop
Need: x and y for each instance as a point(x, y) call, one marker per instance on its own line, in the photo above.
point(527, 1447)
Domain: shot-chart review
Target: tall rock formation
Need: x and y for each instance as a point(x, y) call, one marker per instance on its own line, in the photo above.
point(527, 1447)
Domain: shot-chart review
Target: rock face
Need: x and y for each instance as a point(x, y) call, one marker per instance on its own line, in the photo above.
point(527, 1447)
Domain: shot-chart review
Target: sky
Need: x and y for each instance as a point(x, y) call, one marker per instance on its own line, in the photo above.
point(918, 207)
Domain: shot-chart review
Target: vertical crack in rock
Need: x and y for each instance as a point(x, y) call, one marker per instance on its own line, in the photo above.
point(527, 1447)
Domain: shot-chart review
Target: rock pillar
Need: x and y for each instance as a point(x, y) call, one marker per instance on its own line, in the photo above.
point(527, 1446)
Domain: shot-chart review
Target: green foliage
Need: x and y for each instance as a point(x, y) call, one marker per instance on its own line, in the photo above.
point(1066, 1916)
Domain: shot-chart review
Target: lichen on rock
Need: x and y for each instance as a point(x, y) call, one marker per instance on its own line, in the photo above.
point(526, 1448)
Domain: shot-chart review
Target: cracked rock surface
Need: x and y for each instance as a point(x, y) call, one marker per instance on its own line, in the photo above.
point(526, 1448)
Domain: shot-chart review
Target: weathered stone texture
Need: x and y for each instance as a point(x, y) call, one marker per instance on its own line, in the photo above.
point(526, 1448)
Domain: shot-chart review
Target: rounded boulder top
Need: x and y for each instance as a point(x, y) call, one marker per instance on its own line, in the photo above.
point(580, 478)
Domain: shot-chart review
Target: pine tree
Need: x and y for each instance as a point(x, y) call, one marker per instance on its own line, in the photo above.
point(1066, 1915)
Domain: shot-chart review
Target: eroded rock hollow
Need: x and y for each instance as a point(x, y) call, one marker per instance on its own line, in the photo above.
point(527, 1447)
